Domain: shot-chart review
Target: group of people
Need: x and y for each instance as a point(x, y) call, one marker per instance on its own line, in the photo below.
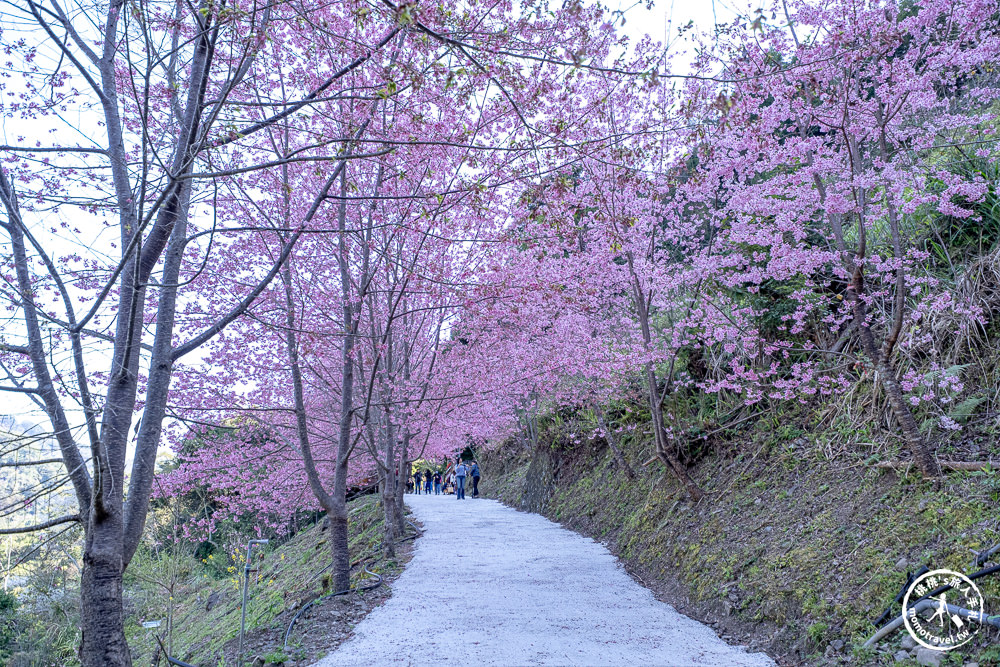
point(453, 481)
point(426, 481)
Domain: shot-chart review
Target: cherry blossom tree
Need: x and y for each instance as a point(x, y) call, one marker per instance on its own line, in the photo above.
point(818, 166)
point(438, 144)
point(387, 229)
point(176, 98)
point(766, 225)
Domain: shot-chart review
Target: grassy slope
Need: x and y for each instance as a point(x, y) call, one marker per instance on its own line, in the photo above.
point(290, 575)
point(790, 551)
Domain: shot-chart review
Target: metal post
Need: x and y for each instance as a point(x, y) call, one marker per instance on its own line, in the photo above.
point(243, 607)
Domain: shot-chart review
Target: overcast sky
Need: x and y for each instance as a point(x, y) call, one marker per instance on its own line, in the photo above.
point(665, 17)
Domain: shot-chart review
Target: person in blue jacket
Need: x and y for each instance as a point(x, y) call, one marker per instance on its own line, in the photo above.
point(474, 473)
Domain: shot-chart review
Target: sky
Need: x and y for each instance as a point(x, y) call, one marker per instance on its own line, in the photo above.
point(662, 20)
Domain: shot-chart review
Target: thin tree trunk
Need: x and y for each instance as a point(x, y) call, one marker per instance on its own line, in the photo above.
point(335, 503)
point(400, 509)
point(389, 509)
point(664, 448)
point(338, 515)
point(915, 441)
point(404, 473)
point(389, 535)
point(339, 542)
point(854, 266)
point(619, 455)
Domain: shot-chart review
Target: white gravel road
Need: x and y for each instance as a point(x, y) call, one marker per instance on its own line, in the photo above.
point(488, 585)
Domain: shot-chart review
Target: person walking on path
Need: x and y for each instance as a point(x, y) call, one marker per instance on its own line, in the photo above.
point(437, 483)
point(460, 472)
point(427, 481)
point(416, 482)
point(474, 472)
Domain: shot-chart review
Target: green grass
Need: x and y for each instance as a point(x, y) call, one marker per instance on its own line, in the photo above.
point(294, 571)
point(809, 544)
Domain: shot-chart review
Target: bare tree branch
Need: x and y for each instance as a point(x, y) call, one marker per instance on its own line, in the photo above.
point(30, 463)
point(41, 526)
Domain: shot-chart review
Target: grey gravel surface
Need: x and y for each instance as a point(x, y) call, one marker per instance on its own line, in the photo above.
point(489, 585)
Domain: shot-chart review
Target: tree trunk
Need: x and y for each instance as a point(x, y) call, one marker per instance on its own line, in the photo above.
point(338, 515)
point(664, 448)
point(101, 616)
point(339, 543)
point(389, 510)
point(915, 441)
point(855, 268)
point(619, 454)
point(338, 512)
point(389, 536)
point(404, 472)
point(340, 547)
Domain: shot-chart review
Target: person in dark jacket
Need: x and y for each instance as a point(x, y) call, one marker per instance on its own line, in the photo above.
point(437, 483)
point(428, 476)
point(417, 478)
point(474, 473)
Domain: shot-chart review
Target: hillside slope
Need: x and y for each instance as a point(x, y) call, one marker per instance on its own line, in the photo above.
point(206, 610)
point(792, 551)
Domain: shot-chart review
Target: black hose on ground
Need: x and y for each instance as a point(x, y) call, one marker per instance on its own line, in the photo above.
point(288, 632)
point(878, 622)
point(984, 556)
point(378, 583)
point(896, 622)
point(170, 661)
point(411, 536)
point(923, 605)
point(910, 578)
point(984, 573)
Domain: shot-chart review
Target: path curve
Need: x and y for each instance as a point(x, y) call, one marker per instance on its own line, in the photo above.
point(489, 585)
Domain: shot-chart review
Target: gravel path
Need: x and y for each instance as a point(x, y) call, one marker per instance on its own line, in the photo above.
point(492, 586)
